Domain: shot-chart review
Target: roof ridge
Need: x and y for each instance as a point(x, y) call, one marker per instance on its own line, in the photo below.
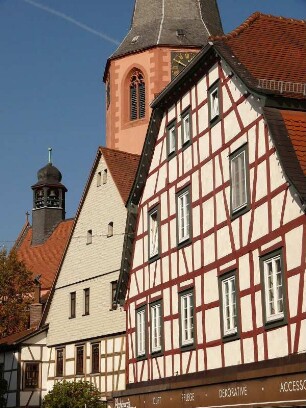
point(101, 148)
point(249, 21)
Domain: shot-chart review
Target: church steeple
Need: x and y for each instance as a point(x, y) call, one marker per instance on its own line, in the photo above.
point(171, 23)
point(162, 32)
point(48, 202)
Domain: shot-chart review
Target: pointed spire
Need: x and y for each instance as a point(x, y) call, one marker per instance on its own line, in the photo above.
point(175, 23)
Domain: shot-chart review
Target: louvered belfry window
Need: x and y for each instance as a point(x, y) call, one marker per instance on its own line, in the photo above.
point(137, 96)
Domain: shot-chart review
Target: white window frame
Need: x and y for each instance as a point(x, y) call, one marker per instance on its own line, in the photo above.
point(153, 233)
point(239, 193)
point(186, 127)
point(274, 288)
point(156, 327)
point(171, 136)
point(229, 305)
point(187, 319)
point(183, 216)
point(141, 332)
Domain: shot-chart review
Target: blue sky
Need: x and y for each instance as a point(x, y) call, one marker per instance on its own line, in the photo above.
point(52, 94)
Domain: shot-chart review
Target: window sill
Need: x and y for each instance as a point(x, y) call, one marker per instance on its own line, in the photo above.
point(171, 155)
point(241, 211)
point(155, 354)
point(153, 258)
point(187, 347)
point(85, 314)
point(214, 120)
point(186, 145)
point(140, 358)
point(71, 317)
point(230, 337)
point(184, 243)
point(273, 324)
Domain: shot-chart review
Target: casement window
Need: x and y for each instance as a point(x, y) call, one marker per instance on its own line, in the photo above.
point(31, 376)
point(239, 180)
point(79, 367)
point(187, 318)
point(113, 293)
point(99, 179)
point(153, 233)
point(171, 139)
point(86, 293)
point(183, 216)
point(59, 369)
point(229, 304)
point(110, 229)
point(186, 127)
point(104, 179)
point(141, 332)
point(89, 237)
point(137, 95)
point(95, 358)
point(72, 305)
point(156, 327)
point(273, 278)
point(214, 102)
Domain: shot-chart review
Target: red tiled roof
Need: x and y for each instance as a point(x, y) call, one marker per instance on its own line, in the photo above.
point(265, 47)
point(288, 131)
point(13, 338)
point(295, 123)
point(123, 167)
point(44, 259)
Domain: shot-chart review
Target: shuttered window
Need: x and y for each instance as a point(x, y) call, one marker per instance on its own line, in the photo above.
point(153, 233)
point(137, 96)
point(239, 181)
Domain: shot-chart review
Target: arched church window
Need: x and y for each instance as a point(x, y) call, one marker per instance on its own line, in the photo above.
point(137, 95)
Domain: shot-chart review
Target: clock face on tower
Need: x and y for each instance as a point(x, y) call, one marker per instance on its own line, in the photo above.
point(179, 60)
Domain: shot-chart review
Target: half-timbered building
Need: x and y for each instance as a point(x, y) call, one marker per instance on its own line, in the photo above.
point(213, 270)
point(85, 337)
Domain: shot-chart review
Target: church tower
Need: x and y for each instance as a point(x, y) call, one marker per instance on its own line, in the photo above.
point(48, 202)
point(164, 36)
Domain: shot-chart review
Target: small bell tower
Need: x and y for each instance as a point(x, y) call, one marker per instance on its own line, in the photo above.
point(48, 202)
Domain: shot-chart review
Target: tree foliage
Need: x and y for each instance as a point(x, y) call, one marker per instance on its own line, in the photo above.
point(16, 290)
point(73, 395)
point(3, 390)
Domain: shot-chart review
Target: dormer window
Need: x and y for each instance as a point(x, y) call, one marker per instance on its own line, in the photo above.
point(137, 95)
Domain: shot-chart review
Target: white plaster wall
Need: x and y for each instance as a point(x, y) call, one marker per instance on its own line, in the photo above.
point(92, 266)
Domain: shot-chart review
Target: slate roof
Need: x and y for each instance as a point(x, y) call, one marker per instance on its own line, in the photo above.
point(45, 258)
point(288, 131)
point(268, 48)
point(123, 167)
point(156, 22)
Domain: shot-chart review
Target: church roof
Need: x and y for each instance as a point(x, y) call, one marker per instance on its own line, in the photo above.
point(45, 258)
point(269, 53)
point(176, 23)
point(123, 167)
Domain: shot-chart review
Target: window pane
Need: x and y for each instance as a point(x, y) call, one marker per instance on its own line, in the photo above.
point(238, 181)
point(59, 362)
point(187, 333)
point(141, 333)
point(154, 234)
point(72, 304)
point(156, 327)
point(183, 216)
point(80, 360)
point(273, 288)
point(31, 375)
point(95, 358)
point(229, 305)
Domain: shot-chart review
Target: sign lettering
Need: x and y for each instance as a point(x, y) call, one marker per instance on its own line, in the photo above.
point(122, 404)
point(233, 392)
point(188, 397)
point(292, 386)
